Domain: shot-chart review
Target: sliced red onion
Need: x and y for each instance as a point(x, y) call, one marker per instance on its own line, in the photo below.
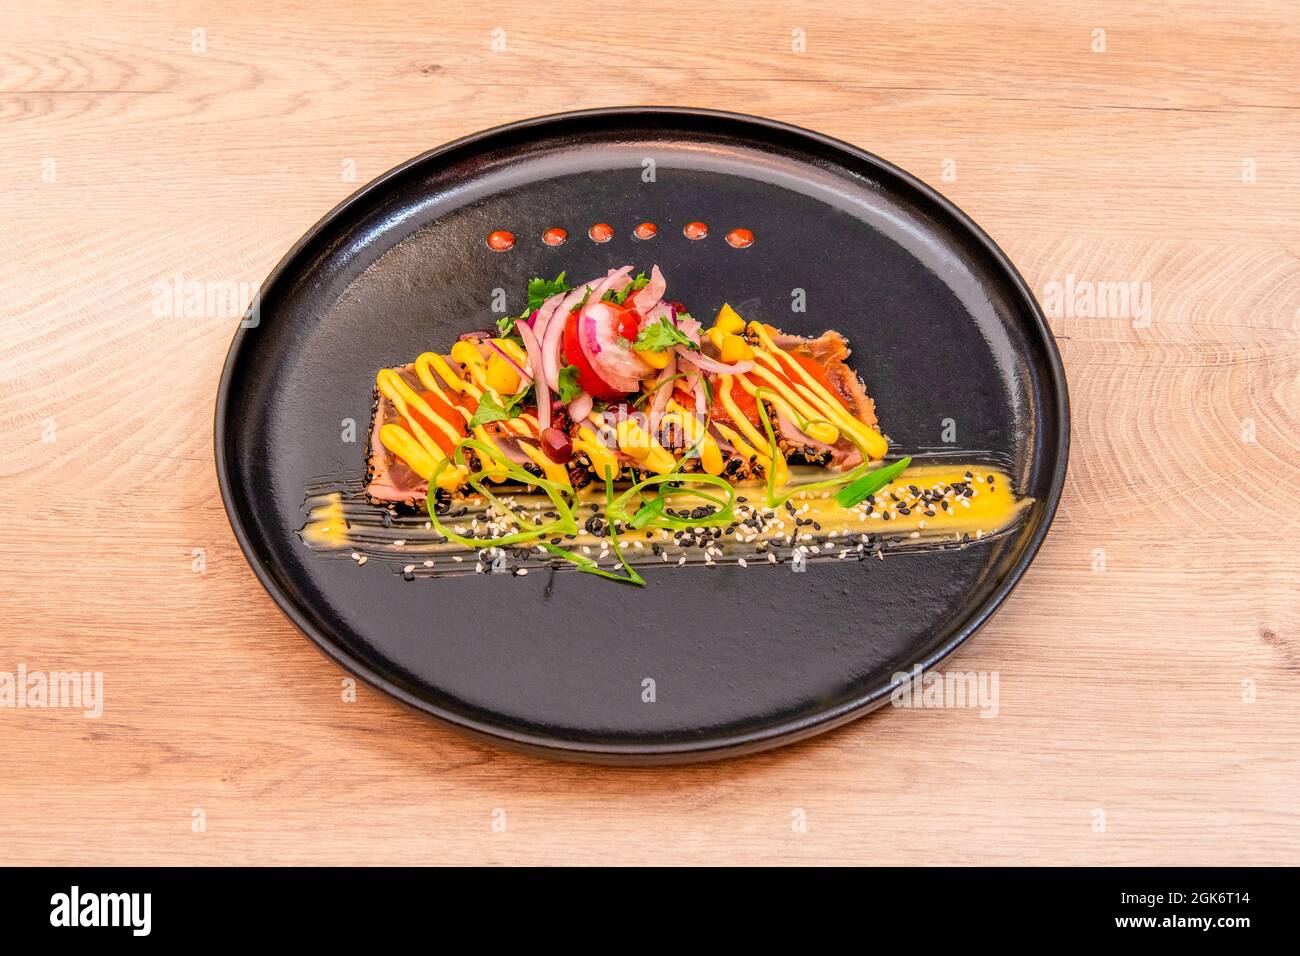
point(663, 392)
point(660, 310)
point(688, 327)
point(616, 364)
point(615, 281)
point(543, 316)
point(553, 334)
point(542, 390)
point(523, 372)
point(701, 400)
point(646, 299)
point(792, 433)
point(510, 448)
point(580, 407)
point(709, 365)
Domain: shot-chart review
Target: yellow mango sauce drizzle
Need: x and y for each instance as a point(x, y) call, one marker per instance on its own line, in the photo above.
point(809, 525)
point(814, 526)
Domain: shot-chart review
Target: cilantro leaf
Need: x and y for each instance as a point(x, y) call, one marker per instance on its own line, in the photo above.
point(568, 381)
point(661, 335)
point(539, 290)
point(490, 408)
point(635, 286)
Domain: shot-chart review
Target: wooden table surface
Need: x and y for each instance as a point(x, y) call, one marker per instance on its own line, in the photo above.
point(1149, 661)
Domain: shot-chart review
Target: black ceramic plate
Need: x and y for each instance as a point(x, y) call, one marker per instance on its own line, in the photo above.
point(742, 659)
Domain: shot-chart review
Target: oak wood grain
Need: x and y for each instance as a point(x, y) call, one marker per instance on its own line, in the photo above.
point(1149, 662)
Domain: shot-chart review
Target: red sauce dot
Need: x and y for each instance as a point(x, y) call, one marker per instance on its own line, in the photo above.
point(601, 232)
point(740, 238)
point(554, 236)
point(695, 230)
point(646, 230)
point(501, 241)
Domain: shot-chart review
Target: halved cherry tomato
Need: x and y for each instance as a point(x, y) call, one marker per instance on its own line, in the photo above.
point(591, 383)
point(628, 321)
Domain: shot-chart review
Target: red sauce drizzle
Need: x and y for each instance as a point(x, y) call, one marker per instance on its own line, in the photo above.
point(601, 232)
point(695, 230)
point(554, 236)
point(646, 230)
point(740, 238)
point(501, 241)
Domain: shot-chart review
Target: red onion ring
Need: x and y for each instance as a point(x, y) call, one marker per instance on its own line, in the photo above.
point(709, 365)
point(510, 448)
point(647, 298)
point(662, 392)
point(792, 433)
point(580, 407)
point(523, 372)
point(554, 333)
point(542, 391)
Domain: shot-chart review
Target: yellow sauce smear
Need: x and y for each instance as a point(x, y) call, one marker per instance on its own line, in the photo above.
point(813, 523)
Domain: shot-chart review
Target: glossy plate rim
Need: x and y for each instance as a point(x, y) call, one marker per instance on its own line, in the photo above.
point(706, 749)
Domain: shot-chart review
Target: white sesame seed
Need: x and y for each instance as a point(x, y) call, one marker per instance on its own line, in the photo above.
point(408, 569)
point(522, 571)
point(362, 560)
point(457, 558)
point(742, 562)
